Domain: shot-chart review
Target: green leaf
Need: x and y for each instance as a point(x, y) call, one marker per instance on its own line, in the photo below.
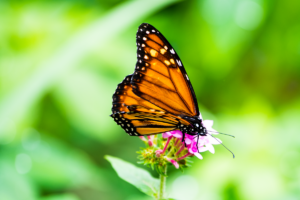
point(136, 176)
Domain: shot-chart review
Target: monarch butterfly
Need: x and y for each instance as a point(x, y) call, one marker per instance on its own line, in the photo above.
point(158, 97)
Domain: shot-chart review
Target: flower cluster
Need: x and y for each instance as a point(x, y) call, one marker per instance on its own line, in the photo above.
point(171, 149)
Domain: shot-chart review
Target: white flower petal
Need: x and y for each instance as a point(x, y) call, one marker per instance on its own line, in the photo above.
point(202, 149)
point(208, 123)
point(212, 131)
point(198, 155)
point(210, 148)
point(214, 140)
point(201, 141)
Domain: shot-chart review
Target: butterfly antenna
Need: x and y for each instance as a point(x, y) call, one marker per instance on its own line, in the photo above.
point(223, 146)
point(222, 133)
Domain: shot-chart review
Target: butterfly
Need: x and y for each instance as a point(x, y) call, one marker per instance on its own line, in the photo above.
point(158, 97)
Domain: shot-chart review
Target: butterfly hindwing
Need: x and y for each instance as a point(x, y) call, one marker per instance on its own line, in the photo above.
point(159, 76)
point(144, 123)
point(138, 116)
point(124, 97)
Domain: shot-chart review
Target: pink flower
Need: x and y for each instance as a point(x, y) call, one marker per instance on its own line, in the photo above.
point(195, 144)
point(174, 151)
point(173, 162)
point(176, 133)
point(143, 138)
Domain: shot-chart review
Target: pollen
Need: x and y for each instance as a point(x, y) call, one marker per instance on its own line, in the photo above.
point(163, 51)
point(153, 53)
point(167, 62)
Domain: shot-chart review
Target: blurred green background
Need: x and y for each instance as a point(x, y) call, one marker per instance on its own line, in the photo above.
point(60, 62)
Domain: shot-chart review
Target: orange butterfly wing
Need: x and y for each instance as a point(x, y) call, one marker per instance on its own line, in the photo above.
point(158, 94)
point(160, 77)
point(138, 116)
point(124, 97)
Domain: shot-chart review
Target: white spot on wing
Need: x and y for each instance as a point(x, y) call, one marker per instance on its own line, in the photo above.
point(187, 77)
point(172, 51)
point(179, 62)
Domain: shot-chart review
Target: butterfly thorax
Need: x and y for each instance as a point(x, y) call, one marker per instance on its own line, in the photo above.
point(195, 128)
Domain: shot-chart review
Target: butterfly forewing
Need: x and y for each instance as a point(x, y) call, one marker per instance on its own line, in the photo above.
point(160, 77)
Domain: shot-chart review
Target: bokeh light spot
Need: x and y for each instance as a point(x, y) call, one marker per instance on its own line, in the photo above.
point(23, 163)
point(248, 15)
point(217, 12)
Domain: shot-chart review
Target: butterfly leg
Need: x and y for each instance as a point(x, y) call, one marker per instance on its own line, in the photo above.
point(197, 142)
point(183, 137)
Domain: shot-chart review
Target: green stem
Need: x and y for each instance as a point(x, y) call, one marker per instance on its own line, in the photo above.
point(162, 186)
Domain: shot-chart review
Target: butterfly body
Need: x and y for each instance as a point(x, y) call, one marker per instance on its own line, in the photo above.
point(158, 97)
